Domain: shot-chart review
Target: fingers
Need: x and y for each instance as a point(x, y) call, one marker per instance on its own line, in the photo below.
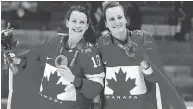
point(145, 64)
point(61, 71)
point(64, 67)
point(16, 60)
point(146, 67)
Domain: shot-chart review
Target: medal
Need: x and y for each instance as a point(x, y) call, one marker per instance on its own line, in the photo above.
point(131, 49)
point(61, 60)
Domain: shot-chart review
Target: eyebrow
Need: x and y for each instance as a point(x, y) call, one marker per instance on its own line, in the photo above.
point(83, 20)
point(120, 15)
point(110, 18)
point(76, 19)
point(73, 18)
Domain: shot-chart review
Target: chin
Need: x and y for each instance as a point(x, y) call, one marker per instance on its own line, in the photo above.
point(120, 30)
point(76, 33)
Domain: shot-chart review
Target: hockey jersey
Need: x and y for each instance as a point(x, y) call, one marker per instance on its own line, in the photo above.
point(24, 86)
point(126, 86)
point(58, 93)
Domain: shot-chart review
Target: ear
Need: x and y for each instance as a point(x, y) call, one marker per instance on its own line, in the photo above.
point(106, 24)
point(127, 19)
point(67, 25)
point(87, 26)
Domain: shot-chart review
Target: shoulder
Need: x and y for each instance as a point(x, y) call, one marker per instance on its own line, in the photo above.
point(56, 38)
point(88, 48)
point(139, 33)
point(140, 36)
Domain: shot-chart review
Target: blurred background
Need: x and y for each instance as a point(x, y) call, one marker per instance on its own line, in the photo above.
point(170, 22)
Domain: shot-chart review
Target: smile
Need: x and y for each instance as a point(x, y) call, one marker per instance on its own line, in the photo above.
point(117, 26)
point(75, 30)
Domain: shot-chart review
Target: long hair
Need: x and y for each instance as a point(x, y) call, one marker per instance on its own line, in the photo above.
point(89, 35)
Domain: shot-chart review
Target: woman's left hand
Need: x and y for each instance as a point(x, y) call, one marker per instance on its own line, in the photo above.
point(145, 65)
point(146, 68)
point(66, 73)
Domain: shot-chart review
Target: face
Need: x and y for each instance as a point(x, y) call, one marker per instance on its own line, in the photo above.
point(77, 23)
point(115, 19)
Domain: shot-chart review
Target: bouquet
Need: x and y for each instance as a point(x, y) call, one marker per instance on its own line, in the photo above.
point(8, 44)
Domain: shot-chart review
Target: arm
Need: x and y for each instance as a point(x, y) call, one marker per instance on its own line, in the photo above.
point(96, 102)
point(94, 72)
point(34, 55)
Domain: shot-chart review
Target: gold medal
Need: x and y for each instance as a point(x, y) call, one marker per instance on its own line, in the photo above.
point(61, 60)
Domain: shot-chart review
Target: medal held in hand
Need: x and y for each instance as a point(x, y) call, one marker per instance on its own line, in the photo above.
point(8, 44)
point(61, 60)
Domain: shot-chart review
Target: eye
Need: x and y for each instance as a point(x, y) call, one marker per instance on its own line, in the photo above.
point(74, 21)
point(82, 22)
point(111, 19)
point(120, 17)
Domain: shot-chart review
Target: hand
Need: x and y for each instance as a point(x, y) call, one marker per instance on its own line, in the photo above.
point(95, 106)
point(145, 64)
point(16, 60)
point(146, 67)
point(12, 59)
point(66, 73)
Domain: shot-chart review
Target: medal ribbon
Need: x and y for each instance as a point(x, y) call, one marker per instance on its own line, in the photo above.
point(127, 47)
point(75, 54)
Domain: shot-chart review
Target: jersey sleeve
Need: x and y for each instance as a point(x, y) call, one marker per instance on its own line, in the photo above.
point(35, 56)
point(94, 72)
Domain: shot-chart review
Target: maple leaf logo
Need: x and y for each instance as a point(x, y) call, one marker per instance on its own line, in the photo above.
point(50, 86)
point(121, 86)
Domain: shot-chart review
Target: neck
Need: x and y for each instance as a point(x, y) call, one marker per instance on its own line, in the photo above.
point(73, 41)
point(121, 35)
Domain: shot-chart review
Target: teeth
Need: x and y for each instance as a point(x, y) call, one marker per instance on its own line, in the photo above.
point(117, 26)
point(77, 30)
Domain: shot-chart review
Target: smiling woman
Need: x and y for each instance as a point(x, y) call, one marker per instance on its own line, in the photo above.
point(70, 66)
point(77, 26)
point(134, 78)
point(116, 21)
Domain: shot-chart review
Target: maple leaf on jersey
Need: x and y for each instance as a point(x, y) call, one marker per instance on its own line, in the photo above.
point(50, 87)
point(121, 86)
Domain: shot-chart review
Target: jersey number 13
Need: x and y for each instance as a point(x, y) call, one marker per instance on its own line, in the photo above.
point(96, 61)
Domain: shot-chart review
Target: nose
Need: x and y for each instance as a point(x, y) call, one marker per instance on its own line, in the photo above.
point(117, 21)
point(77, 25)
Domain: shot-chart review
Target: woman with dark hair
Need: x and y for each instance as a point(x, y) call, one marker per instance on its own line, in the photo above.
point(135, 78)
point(73, 73)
